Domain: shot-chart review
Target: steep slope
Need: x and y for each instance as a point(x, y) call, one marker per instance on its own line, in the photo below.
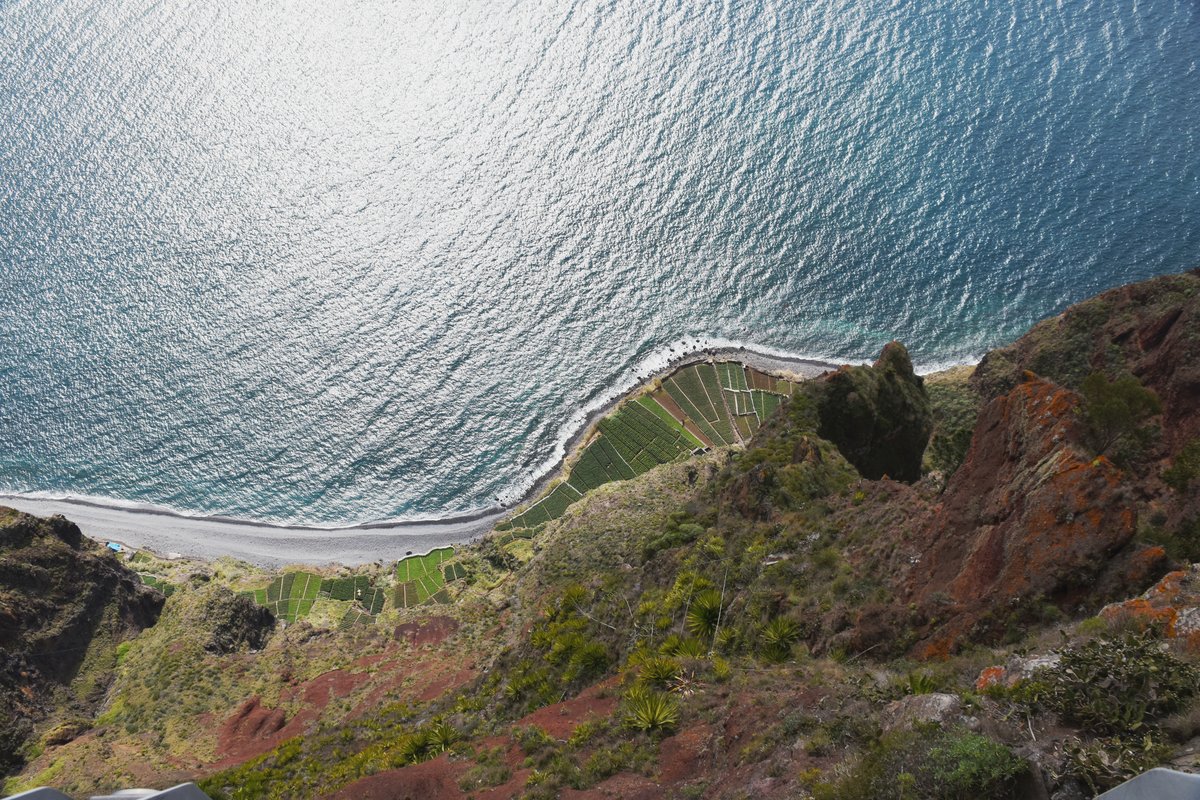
point(65, 605)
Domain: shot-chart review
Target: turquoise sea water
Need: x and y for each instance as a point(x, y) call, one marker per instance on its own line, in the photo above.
point(360, 259)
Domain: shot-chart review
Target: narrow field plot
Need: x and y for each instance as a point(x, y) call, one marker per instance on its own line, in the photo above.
point(765, 404)
point(354, 617)
point(732, 376)
point(654, 407)
point(157, 583)
point(422, 578)
point(684, 401)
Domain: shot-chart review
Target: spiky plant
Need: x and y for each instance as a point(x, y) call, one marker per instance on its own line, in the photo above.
point(692, 647)
point(442, 737)
point(651, 711)
point(778, 636)
point(658, 671)
point(704, 613)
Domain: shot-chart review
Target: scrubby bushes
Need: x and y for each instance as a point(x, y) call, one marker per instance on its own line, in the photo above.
point(1118, 688)
point(1117, 685)
point(1185, 467)
point(932, 764)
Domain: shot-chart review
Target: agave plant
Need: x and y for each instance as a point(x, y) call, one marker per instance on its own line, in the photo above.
point(689, 648)
point(704, 613)
point(778, 635)
point(658, 671)
point(442, 737)
point(414, 748)
point(650, 711)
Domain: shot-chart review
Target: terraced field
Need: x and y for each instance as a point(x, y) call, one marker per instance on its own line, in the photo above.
point(422, 579)
point(697, 406)
point(292, 595)
point(157, 583)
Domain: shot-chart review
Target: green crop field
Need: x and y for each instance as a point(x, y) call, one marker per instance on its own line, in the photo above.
point(355, 616)
point(290, 596)
point(358, 589)
point(423, 579)
point(726, 402)
point(157, 583)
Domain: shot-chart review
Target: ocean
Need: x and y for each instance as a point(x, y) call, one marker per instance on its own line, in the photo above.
point(362, 260)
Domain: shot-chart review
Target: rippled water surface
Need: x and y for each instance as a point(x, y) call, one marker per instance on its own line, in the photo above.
point(359, 259)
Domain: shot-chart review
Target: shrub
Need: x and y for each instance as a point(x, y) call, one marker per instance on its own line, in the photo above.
point(659, 671)
point(1115, 410)
point(704, 613)
point(1115, 685)
point(777, 638)
point(1107, 762)
point(920, 683)
point(1184, 468)
point(933, 764)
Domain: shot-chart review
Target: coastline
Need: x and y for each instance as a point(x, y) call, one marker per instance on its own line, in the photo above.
point(171, 533)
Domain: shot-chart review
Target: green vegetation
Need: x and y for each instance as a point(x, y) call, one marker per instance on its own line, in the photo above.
point(1185, 468)
point(1115, 411)
point(934, 764)
point(423, 579)
point(167, 589)
point(1114, 685)
point(757, 620)
point(291, 596)
point(650, 711)
point(1120, 689)
point(725, 403)
point(359, 589)
point(955, 409)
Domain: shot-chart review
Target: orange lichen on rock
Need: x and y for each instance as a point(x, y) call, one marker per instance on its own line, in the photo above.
point(991, 676)
point(1172, 605)
point(1142, 614)
point(1030, 515)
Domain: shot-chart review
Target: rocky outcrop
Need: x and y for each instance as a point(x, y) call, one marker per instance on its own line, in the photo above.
point(236, 622)
point(1149, 329)
point(1031, 517)
point(65, 603)
point(1172, 605)
point(879, 417)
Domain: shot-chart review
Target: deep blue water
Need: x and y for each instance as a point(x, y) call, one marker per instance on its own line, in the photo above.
point(361, 259)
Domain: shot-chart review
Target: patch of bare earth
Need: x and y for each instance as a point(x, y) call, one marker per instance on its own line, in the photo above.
point(430, 780)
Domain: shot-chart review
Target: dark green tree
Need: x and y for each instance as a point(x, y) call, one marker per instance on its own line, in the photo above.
point(1115, 410)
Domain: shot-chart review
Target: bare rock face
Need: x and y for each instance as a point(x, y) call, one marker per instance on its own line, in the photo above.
point(1030, 517)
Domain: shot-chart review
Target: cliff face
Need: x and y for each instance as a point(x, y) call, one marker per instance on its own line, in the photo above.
point(1150, 330)
point(1035, 517)
point(1031, 516)
point(777, 620)
point(65, 604)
